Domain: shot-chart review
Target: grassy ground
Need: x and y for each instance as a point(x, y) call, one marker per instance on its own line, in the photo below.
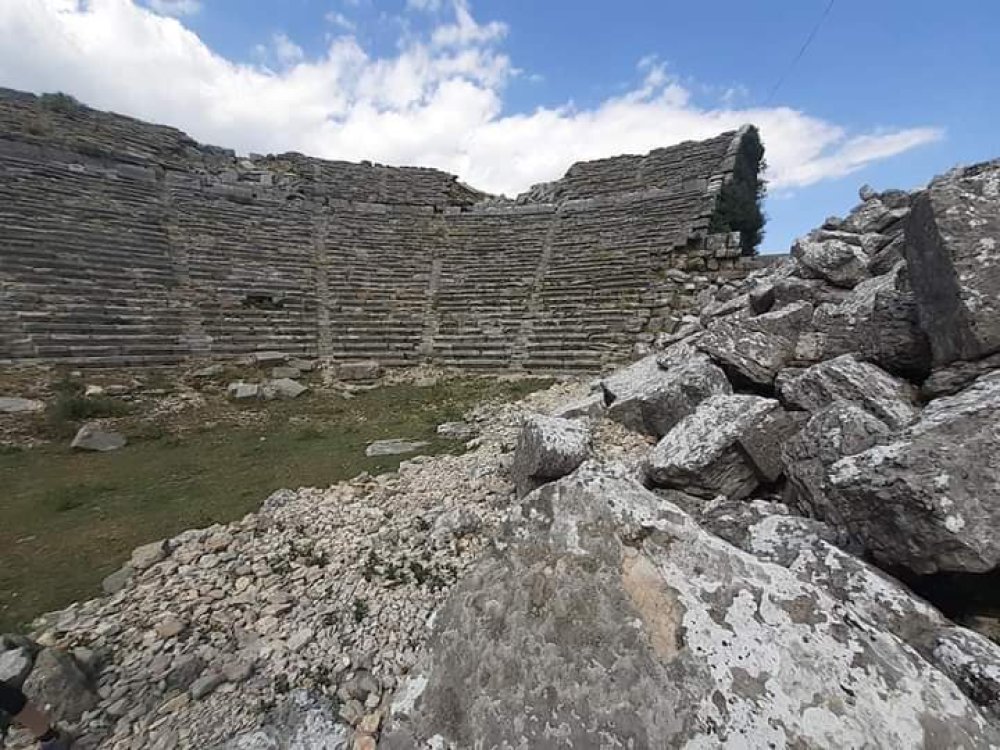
point(71, 518)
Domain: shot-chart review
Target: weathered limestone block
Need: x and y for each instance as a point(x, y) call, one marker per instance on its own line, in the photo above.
point(836, 261)
point(953, 256)
point(284, 388)
point(242, 391)
point(812, 550)
point(748, 356)
point(878, 320)
point(363, 370)
point(610, 619)
point(930, 499)
point(701, 455)
point(841, 429)
point(393, 447)
point(15, 405)
point(762, 442)
point(57, 683)
point(548, 448)
point(658, 401)
point(91, 437)
point(846, 378)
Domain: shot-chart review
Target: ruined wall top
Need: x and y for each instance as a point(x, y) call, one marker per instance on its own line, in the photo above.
point(59, 122)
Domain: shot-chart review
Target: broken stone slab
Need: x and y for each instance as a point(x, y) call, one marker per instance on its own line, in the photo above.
point(701, 455)
point(268, 358)
point(302, 365)
point(601, 583)
point(927, 500)
point(284, 388)
point(548, 448)
point(878, 320)
point(394, 447)
point(841, 429)
point(835, 261)
point(241, 391)
point(953, 257)
point(457, 430)
point(661, 399)
point(116, 581)
point(749, 357)
point(209, 371)
point(846, 378)
point(362, 370)
point(148, 555)
point(91, 437)
point(15, 405)
point(58, 685)
point(285, 371)
point(762, 442)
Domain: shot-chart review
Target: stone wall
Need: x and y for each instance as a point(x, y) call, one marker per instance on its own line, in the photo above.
point(123, 242)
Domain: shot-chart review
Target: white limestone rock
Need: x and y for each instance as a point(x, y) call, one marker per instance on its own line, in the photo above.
point(16, 405)
point(394, 447)
point(241, 391)
point(659, 397)
point(835, 261)
point(928, 500)
point(91, 437)
point(846, 378)
point(548, 448)
point(701, 455)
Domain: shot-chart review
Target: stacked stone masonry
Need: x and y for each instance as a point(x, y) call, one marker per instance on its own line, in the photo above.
point(126, 243)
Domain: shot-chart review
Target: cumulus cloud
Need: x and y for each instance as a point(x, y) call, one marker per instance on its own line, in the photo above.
point(437, 101)
point(176, 7)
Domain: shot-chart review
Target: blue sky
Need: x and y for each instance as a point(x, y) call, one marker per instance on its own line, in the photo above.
point(509, 93)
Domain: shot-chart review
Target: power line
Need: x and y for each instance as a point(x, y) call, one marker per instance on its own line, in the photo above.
point(802, 51)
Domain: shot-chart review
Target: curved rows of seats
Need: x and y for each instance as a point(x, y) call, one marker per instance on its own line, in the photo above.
point(86, 265)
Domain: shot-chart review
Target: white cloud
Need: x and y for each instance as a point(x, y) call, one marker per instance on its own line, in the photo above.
point(437, 101)
point(176, 7)
point(341, 21)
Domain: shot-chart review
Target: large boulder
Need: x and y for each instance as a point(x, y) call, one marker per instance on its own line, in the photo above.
point(832, 260)
point(953, 256)
point(57, 684)
point(608, 618)
point(813, 551)
point(702, 455)
point(846, 378)
point(840, 429)
point(656, 402)
point(548, 448)
point(930, 499)
point(750, 355)
point(878, 319)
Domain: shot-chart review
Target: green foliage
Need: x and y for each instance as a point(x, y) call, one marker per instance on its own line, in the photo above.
point(738, 208)
point(71, 406)
point(360, 610)
point(60, 102)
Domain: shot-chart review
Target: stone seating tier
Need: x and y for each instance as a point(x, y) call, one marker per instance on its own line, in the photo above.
point(123, 242)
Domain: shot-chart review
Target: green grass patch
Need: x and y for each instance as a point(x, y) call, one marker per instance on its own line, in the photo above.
point(71, 518)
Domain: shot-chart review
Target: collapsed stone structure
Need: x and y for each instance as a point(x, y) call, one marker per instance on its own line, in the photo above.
point(123, 242)
point(711, 550)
